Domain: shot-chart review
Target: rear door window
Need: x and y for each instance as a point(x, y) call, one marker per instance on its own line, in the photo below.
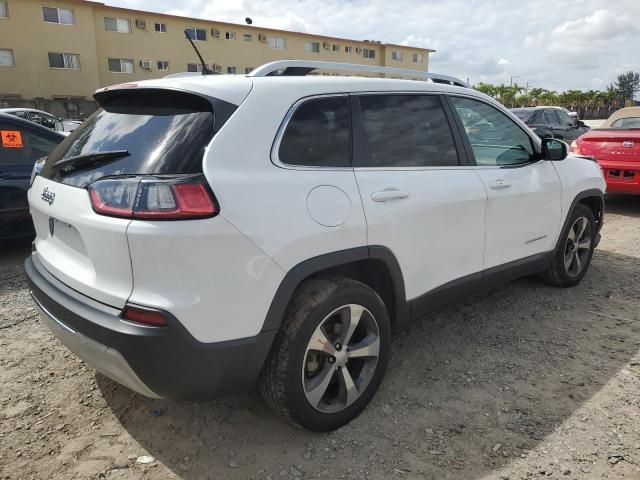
point(164, 132)
point(525, 115)
point(407, 131)
point(551, 117)
point(318, 134)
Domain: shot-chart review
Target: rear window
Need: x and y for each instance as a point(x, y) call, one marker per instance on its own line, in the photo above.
point(629, 122)
point(21, 145)
point(524, 115)
point(164, 132)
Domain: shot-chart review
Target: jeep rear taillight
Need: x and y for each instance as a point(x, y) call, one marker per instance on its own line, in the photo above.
point(153, 198)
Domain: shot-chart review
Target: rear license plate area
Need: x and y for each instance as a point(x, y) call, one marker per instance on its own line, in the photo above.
point(65, 233)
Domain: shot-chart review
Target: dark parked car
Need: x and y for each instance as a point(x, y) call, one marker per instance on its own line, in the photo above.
point(551, 122)
point(21, 144)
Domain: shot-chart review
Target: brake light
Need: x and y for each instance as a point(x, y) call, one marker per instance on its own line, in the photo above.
point(153, 198)
point(575, 148)
point(151, 318)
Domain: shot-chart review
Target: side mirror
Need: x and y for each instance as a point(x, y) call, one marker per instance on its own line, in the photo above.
point(581, 123)
point(554, 149)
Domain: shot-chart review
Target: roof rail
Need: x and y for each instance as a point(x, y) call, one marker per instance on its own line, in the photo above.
point(303, 67)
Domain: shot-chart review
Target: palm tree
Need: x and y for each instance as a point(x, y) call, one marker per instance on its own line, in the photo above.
point(486, 88)
point(535, 94)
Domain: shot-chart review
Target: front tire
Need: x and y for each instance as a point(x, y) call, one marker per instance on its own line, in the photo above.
point(330, 355)
point(575, 250)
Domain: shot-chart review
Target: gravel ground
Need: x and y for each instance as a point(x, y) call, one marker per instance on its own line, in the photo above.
point(527, 381)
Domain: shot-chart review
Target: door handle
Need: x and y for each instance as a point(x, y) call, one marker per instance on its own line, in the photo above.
point(499, 184)
point(389, 194)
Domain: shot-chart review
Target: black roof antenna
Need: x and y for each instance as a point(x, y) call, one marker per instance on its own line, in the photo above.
point(205, 69)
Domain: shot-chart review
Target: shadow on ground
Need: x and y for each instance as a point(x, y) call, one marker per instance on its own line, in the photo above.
point(627, 205)
point(505, 368)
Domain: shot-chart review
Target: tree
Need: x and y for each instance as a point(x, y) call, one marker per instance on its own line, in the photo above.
point(627, 85)
point(486, 88)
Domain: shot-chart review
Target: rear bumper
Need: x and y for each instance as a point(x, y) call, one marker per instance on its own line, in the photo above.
point(156, 362)
point(621, 177)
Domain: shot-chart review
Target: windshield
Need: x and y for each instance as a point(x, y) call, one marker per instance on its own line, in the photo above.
point(626, 123)
point(524, 115)
point(162, 135)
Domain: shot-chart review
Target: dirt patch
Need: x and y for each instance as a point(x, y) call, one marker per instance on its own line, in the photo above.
point(528, 381)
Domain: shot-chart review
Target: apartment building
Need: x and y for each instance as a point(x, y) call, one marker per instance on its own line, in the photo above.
point(67, 49)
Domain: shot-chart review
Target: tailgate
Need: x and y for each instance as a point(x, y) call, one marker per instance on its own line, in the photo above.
point(139, 136)
point(85, 251)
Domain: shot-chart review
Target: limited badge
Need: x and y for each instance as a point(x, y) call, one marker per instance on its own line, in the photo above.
point(11, 139)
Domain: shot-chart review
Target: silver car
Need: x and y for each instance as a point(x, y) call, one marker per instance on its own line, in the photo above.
point(44, 118)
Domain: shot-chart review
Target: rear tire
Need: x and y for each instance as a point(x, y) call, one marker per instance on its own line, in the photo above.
point(330, 355)
point(573, 255)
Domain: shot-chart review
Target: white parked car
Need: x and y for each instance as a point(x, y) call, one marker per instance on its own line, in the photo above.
point(44, 118)
point(199, 234)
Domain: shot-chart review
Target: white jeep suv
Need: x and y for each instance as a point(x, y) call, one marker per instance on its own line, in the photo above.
point(200, 234)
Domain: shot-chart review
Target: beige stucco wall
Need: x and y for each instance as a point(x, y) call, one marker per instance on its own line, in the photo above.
point(31, 39)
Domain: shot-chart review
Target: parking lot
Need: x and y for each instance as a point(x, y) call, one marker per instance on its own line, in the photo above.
point(526, 381)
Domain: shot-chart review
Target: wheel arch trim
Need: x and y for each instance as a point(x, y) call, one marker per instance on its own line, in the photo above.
point(590, 193)
point(295, 276)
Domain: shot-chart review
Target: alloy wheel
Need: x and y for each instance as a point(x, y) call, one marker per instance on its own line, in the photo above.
point(577, 247)
point(341, 358)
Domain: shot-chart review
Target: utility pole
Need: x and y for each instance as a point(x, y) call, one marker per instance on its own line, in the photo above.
point(511, 80)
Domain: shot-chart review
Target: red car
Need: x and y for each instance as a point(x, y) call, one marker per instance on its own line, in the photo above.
point(616, 147)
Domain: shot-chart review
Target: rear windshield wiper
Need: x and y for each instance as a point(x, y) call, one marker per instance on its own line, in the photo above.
point(71, 164)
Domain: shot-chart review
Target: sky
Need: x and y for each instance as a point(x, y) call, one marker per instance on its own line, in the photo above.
point(555, 44)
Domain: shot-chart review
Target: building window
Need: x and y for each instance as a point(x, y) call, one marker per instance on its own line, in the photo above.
point(247, 37)
point(161, 27)
point(395, 55)
point(4, 13)
point(231, 70)
point(6, 58)
point(335, 47)
point(163, 65)
point(348, 49)
point(312, 47)
point(121, 65)
point(248, 70)
point(67, 61)
point(277, 42)
point(368, 53)
point(194, 67)
point(199, 34)
point(417, 58)
point(120, 25)
point(230, 35)
point(63, 16)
